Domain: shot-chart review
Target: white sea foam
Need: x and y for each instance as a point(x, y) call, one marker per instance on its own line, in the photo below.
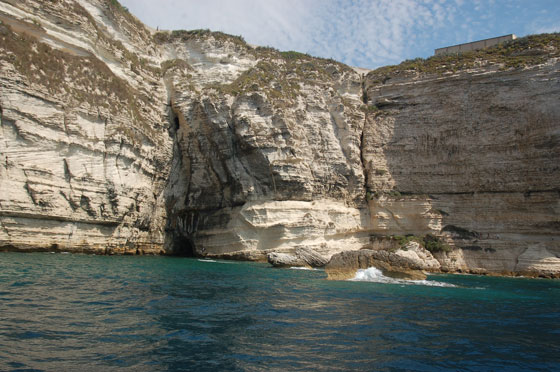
point(375, 275)
point(303, 268)
point(218, 261)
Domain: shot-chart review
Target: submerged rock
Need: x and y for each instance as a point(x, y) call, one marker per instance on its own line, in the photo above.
point(399, 264)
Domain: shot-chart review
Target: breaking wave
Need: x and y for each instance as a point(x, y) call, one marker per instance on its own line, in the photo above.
point(375, 275)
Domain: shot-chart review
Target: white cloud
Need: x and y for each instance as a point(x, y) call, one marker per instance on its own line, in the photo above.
point(366, 33)
point(361, 32)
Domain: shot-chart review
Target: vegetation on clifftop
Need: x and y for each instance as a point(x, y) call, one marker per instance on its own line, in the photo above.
point(526, 51)
point(264, 76)
point(280, 75)
point(162, 37)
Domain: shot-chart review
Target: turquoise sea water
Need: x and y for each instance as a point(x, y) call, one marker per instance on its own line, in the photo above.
point(64, 312)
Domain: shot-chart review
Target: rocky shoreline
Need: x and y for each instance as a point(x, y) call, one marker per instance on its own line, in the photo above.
point(411, 262)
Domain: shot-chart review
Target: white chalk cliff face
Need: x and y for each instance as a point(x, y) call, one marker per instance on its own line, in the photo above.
point(119, 139)
point(268, 157)
point(475, 159)
point(84, 145)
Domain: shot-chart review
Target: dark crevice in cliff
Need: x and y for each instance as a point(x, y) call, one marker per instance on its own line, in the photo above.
point(183, 247)
point(362, 159)
point(362, 134)
point(173, 237)
point(182, 221)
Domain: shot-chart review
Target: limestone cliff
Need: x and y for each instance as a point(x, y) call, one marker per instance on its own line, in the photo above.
point(471, 155)
point(84, 145)
point(267, 150)
point(118, 138)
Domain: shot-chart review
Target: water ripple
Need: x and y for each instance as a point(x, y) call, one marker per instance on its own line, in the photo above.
point(76, 312)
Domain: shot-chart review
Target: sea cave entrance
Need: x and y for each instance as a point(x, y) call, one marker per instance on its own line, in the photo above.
point(183, 247)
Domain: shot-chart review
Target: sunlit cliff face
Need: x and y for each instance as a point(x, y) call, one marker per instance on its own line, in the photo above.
point(120, 139)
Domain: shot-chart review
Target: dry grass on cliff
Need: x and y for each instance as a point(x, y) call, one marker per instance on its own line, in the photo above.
point(163, 37)
point(262, 77)
point(180, 64)
point(527, 51)
point(124, 19)
point(136, 64)
point(72, 79)
point(277, 74)
point(280, 74)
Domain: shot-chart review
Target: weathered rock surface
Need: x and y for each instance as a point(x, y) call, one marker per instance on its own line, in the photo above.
point(269, 158)
point(119, 139)
point(344, 265)
point(311, 257)
point(538, 261)
point(84, 149)
point(284, 260)
point(472, 157)
point(303, 256)
point(415, 256)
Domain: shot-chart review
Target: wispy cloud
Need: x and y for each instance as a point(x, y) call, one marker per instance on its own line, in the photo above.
point(365, 33)
point(369, 33)
point(541, 29)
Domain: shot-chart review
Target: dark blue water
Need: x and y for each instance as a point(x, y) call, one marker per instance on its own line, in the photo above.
point(93, 313)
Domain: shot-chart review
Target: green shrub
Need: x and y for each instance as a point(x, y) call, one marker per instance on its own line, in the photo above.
point(293, 55)
point(403, 240)
point(434, 244)
point(429, 242)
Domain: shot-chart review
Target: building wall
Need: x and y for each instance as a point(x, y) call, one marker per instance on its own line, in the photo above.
point(475, 45)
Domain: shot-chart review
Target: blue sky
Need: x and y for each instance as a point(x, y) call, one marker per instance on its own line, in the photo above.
point(363, 33)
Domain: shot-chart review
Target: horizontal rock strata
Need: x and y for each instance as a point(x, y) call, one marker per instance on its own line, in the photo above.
point(120, 139)
point(472, 157)
point(84, 149)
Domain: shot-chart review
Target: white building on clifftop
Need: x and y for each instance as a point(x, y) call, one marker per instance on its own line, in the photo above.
point(475, 45)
